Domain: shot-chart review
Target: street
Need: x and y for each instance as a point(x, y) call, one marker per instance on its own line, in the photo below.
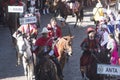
point(8, 68)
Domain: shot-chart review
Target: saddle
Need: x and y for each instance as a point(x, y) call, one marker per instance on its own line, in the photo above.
point(86, 59)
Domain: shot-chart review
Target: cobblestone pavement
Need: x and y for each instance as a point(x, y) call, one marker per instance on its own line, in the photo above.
point(8, 69)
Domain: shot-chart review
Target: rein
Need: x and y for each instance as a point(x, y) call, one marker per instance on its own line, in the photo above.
point(95, 57)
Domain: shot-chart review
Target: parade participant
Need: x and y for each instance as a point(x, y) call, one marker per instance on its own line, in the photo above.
point(98, 12)
point(37, 14)
point(46, 7)
point(90, 47)
point(73, 5)
point(45, 40)
point(103, 33)
point(29, 30)
point(111, 16)
point(113, 49)
point(31, 9)
point(65, 28)
point(54, 29)
point(90, 43)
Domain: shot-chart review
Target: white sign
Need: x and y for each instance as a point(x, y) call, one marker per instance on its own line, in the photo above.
point(28, 20)
point(15, 9)
point(108, 69)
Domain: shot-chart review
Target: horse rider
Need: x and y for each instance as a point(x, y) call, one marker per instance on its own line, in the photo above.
point(30, 30)
point(45, 40)
point(54, 29)
point(112, 45)
point(73, 5)
point(64, 27)
point(89, 45)
point(98, 12)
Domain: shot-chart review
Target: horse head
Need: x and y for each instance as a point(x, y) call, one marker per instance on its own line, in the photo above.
point(67, 45)
point(23, 44)
point(104, 56)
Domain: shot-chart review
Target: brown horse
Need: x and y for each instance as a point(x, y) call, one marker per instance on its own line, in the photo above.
point(64, 45)
point(89, 61)
point(64, 9)
point(45, 68)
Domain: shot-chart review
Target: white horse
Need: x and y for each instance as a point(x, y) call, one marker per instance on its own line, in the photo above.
point(28, 59)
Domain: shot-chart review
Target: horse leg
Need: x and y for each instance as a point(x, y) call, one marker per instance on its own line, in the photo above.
point(30, 69)
point(24, 65)
point(83, 72)
point(76, 21)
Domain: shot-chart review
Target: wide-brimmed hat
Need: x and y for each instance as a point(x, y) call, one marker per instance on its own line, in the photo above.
point(44, 30)
point(90, 29)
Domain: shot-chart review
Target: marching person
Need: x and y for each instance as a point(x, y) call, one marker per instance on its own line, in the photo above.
point(45, 40)
point(113, 49)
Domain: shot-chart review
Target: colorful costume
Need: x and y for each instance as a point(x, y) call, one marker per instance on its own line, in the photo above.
point(46, 42)
point(114, 51)
point(54, 32)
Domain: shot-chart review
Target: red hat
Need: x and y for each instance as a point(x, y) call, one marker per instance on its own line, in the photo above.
point(90, 29)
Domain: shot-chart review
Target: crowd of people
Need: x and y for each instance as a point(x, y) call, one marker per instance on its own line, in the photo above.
point(105, 35)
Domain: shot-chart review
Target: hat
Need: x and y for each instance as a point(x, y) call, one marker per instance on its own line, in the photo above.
point(90, 29)
point(99, 5)
point(44, 30)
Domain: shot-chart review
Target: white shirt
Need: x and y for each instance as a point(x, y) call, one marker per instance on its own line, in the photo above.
point(110, 44)
point(104, 38)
